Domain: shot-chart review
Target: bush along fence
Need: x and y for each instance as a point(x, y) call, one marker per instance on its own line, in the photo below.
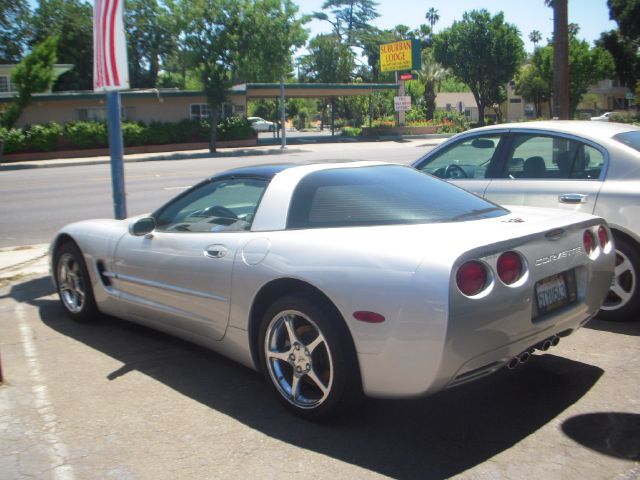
point(53, 137)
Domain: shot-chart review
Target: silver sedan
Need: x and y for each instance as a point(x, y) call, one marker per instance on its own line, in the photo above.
point(579, 166)
point(344, 279)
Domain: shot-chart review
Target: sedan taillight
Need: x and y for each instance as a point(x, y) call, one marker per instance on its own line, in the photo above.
point(471, 278)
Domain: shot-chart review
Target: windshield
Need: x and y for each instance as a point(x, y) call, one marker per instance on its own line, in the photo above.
point(382, 195)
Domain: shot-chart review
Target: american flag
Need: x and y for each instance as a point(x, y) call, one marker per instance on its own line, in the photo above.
point(110, 71)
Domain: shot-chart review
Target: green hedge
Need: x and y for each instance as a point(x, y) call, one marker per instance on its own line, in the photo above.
point(80, 135)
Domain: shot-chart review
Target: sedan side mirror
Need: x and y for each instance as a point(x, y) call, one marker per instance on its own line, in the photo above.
point(142, 226)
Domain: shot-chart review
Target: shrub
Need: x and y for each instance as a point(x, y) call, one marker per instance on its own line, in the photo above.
point(134, 134)
point(351, 131)
point(43, 138)
point(87, 134)
point(235, 128)
point(624, 117)
point(15, 139)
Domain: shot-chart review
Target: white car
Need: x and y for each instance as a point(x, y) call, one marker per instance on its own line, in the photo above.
point(605, 117)
point(573, 165)
point(261, 125)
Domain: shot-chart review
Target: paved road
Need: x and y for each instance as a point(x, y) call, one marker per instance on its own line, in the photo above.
point(115, 400)
point(35, 203)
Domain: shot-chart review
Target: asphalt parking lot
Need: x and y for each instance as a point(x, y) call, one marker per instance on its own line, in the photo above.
point(116, 400)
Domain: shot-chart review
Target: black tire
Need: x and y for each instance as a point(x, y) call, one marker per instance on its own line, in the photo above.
point(320, 356)
point(74, 283)
point(623, 300)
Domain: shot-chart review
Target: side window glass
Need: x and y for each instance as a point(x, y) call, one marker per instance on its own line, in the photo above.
point(469, 158)
point(541, 157)
point(227, 205)
point(588, 164)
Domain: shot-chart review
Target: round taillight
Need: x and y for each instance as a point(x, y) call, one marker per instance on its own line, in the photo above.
point(509, 267)
point(471, 278)
point(588, 241)
point(603, 237)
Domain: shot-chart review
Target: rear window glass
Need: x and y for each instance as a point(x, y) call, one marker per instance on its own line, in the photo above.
point(381, 195)
point(630, 139)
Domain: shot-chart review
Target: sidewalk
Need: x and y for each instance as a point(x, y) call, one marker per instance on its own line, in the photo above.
point(20, 262)
point(268, 147)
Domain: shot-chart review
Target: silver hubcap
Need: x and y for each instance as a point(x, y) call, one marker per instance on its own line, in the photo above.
point(623, 284)
point(298, 359)
point(70, 283)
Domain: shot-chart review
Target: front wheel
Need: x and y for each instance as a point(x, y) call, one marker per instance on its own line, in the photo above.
point(623, 300)
point(308, 358)
point(74, 284)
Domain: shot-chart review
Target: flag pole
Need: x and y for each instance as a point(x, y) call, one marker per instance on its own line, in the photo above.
point(116, 151)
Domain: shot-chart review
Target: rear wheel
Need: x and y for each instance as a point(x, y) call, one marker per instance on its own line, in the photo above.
point(623, 300)
point(74, 284)
point(308, 358)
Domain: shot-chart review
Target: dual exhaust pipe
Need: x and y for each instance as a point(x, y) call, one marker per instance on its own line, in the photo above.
point(525, 356)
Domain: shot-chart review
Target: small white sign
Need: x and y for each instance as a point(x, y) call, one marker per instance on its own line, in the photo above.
point(402, 104)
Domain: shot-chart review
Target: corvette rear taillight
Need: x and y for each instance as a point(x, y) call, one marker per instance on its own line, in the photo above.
point(509, 267)
point(603, 236)
point(588, 241)
point(471, 278)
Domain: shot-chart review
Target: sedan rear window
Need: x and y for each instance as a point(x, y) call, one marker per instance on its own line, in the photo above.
point(381, 195)
point(630, 139)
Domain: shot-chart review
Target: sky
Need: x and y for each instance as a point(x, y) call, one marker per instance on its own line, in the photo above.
point(591, 15)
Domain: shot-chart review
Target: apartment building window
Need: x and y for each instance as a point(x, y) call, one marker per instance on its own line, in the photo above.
point(99, 114)
point(200, 111)
point(5, 84)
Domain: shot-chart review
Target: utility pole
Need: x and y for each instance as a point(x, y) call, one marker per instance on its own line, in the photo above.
point(560, 60)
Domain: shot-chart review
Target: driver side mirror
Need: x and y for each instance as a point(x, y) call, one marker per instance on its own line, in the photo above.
point(142, 226)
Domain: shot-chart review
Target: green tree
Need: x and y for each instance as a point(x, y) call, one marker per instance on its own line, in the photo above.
point(432, 17)
point(535, 37)
point(35, 73)
point(533, 86)
point(14, 29)
point(482, 51)
point(265, 42)
point(150, 37)
point(329, 60)
point(72, 22)
point(349, 17)
point(586, 67)
point(430, 75)
point(625, 56)
point(626, 14)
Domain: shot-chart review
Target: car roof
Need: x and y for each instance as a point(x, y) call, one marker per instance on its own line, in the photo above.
point(583, 128)
point(259, 171)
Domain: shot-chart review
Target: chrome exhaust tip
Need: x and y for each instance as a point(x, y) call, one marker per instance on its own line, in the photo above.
point(555, 340)
point(524, 357)
point(513, 363)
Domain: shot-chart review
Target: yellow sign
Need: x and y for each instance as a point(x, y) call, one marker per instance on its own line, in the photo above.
point(396, 56)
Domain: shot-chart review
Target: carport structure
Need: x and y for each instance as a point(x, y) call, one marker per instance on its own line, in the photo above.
point(239, 95)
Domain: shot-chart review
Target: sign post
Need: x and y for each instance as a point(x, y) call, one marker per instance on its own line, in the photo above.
point(400, 57)
point(110, 75)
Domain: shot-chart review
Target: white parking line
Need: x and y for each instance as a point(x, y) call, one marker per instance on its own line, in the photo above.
point(57, 451)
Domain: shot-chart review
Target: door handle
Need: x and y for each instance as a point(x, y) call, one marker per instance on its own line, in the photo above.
point(215, 251)
point(573, 198)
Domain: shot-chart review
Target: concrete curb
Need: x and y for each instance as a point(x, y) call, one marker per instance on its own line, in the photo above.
point(19, 262)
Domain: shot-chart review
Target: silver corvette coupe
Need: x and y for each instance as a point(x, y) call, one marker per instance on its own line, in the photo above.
point(344, 279)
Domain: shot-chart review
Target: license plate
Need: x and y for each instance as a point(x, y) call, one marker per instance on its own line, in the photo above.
point(555, 292)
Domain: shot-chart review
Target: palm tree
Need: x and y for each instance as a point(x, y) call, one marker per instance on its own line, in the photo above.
point(535, 37)
point(430, 74)
point(432, 17)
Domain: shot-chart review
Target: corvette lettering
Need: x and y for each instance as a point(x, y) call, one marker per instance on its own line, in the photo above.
point(558, 256)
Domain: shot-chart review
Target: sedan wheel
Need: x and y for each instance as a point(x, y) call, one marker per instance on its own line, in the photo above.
point(73, 283)
point(308, 358)
point(623, 299)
